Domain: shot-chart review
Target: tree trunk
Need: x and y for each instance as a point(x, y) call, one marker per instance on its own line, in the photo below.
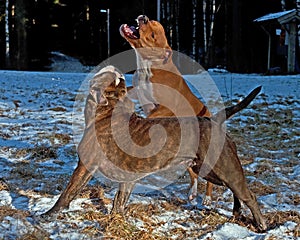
point(194, 29)
point(210, 42)
point(234, 44)
point(177, 12)
point(2, 34)
point(18, 36)
point(204, 28)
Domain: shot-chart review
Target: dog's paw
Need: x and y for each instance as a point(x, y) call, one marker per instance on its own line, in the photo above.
point(207, 201)
point(192, 195)
point(194, 202)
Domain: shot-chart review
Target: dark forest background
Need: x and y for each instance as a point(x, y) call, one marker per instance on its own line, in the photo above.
point(212, 32)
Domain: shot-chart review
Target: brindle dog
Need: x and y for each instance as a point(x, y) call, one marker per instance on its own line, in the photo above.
point(112, 114)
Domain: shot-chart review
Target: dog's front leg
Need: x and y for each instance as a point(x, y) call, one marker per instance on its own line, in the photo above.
point(79, 179)
point(122, 197)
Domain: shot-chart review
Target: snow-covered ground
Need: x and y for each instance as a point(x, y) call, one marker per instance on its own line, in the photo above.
point(38, 155)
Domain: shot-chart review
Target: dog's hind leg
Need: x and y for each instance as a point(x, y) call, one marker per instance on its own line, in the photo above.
point(122, 196)
point(79, 179)
point(242, 192)
point(254, 208)
point(236, 207)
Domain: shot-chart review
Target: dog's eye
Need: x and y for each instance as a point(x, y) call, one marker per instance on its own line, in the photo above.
point(122, 92)
point(110, 94)
point(152, 34)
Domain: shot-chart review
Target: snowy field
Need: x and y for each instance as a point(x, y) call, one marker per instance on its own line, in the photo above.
point(38, 155)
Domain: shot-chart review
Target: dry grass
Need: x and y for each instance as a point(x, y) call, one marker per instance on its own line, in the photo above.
point(43, 153)
point(35, 234)
point(278, 218)
point(58, 109)
point(59, 138)
point(26, 171)
point(38, 152)
point(3, 186)
point(8, 211)
point(275, 219)
point(115, 226)
point(260, 189)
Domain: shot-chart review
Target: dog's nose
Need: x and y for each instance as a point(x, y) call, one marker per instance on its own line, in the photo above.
point(142, 19)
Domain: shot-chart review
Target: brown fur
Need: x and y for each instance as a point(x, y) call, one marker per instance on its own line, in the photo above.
point(98, 150)
point(151, 45)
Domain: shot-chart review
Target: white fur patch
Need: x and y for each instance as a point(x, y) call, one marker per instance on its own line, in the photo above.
point(193, 191)
point(108, 68)
point(111, 68)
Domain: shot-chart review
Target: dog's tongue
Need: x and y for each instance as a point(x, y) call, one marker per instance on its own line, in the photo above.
point(130, 32)
point(133, 29)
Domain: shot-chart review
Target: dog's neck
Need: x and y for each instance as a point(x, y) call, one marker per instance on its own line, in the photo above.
point(150, 66)
point(143, 69)
point(141, 81)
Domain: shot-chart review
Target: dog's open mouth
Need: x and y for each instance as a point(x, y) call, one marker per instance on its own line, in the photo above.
point(129, 32)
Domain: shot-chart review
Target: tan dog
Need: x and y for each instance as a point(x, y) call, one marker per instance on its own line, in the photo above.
point(155, 65)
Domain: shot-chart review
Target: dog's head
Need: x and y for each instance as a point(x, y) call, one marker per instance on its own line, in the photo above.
point(148, 38)
point(107, 86)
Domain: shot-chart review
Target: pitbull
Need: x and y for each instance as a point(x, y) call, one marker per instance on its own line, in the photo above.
point(113, 123)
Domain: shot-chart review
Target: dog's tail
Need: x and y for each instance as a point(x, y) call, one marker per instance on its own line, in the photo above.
point(223, 115)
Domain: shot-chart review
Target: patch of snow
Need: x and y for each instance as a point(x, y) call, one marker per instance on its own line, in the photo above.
point(271, 16)
point(218, 70)
point(5, 198)
point(65, 63)
point(285, 230)
point(231, 231)
point(12, 228)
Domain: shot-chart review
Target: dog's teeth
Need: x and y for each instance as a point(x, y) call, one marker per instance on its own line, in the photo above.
point(117, 82)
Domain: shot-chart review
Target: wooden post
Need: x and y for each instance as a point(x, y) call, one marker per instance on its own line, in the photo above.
point(269, 46)
point(158, 10)
point(292, 47)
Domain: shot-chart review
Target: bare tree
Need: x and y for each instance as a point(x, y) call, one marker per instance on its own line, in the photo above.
point(194, 29)
point(210, 9)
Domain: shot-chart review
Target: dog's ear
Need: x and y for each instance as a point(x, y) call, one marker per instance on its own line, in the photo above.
point(142, 19)
point(168, 55)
